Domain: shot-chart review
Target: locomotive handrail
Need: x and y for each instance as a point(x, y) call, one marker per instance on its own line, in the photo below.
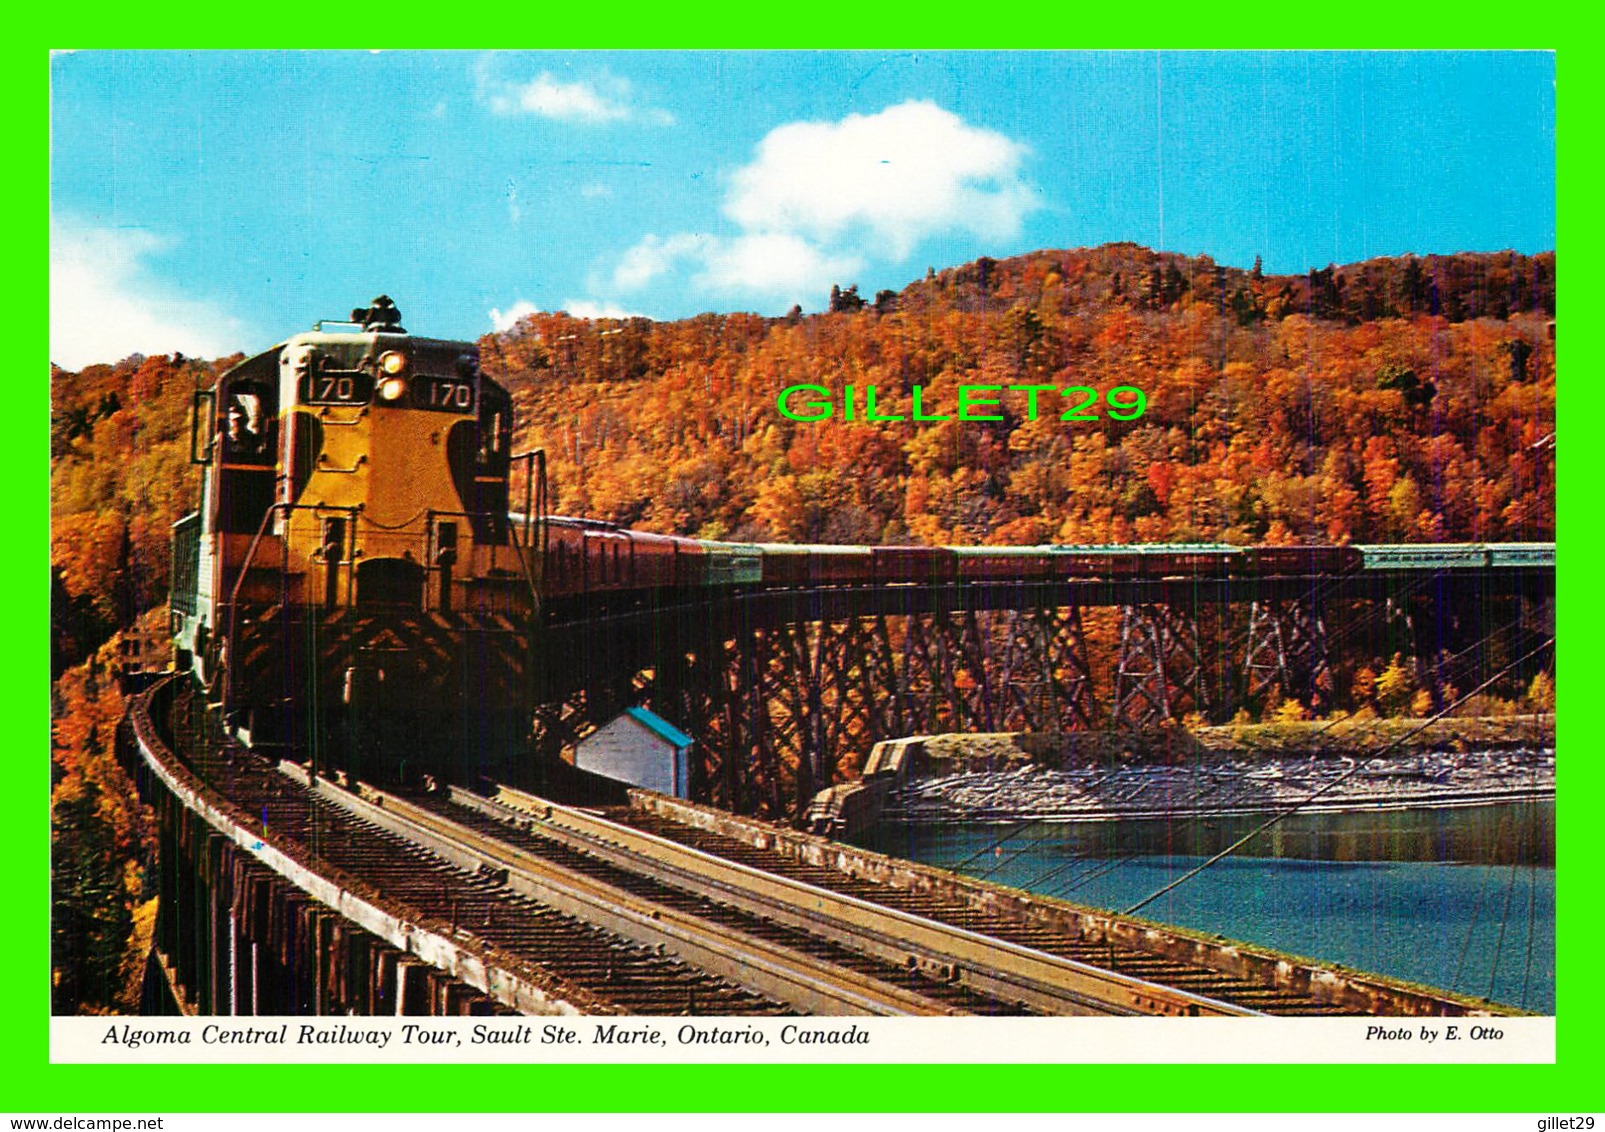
point(234, 595)
point(520, 550)
point(535, 503)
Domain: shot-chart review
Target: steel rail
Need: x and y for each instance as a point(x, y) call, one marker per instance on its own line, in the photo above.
point(461, 959)
point(997, 968)
point(779, 972)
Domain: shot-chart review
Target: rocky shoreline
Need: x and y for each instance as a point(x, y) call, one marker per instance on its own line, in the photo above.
point(1175, 773)
point(1221, 787)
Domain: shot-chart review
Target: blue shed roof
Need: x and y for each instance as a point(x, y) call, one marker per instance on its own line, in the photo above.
point(659, 727)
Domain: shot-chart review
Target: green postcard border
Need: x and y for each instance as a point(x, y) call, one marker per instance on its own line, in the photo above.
point(31, 1084)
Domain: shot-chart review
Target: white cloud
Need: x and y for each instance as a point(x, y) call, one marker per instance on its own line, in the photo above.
point(107, 303)
point(654, 256)
point(607, 99)
point(912, 171)
point(774, 264)
point(821, 200)
point(503, 321)
point(589, 308)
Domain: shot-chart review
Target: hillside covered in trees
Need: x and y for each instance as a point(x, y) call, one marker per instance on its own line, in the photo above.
point(1393, 400)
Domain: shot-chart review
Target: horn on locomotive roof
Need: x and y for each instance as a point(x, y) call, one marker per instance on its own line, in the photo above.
point(382, 314)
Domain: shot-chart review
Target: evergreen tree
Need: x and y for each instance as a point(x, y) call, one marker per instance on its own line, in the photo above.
point(90, 920)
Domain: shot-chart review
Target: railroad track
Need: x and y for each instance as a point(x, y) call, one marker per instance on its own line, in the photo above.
point(576, 966)
point(990, 972)
point(736, 949)
point(618, 920)
point(1114, 958)
point(649, 916)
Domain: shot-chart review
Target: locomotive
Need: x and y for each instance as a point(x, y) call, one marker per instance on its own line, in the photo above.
point(352, 581)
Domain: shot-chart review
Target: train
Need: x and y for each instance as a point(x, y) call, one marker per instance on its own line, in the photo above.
point(366, 576)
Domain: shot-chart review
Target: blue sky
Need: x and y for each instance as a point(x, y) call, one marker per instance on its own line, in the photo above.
point(218, 201)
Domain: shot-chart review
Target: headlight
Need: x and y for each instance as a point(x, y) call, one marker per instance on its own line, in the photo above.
point(392, 388)
point(392, 361)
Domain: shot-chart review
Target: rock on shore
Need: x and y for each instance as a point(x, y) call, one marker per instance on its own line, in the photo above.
point(994, 788)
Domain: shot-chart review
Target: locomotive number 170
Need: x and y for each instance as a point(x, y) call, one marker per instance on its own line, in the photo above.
point(444, 393)
point(337, 387)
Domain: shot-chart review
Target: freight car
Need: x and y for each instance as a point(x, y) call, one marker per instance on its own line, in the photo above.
point(1458, 556)
point(603, 562)
point(589, 558)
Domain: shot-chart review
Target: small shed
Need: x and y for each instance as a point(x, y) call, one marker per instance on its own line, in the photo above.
point(641, 749)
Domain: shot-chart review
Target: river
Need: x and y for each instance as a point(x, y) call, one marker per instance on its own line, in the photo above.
point(1459, 898)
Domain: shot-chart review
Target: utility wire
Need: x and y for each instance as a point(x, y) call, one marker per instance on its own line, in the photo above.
point(1110, 864)
point(1345, 776)
point(992, 846)
point(1532, 899)
point(1476, 909)
point(1504, 921)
